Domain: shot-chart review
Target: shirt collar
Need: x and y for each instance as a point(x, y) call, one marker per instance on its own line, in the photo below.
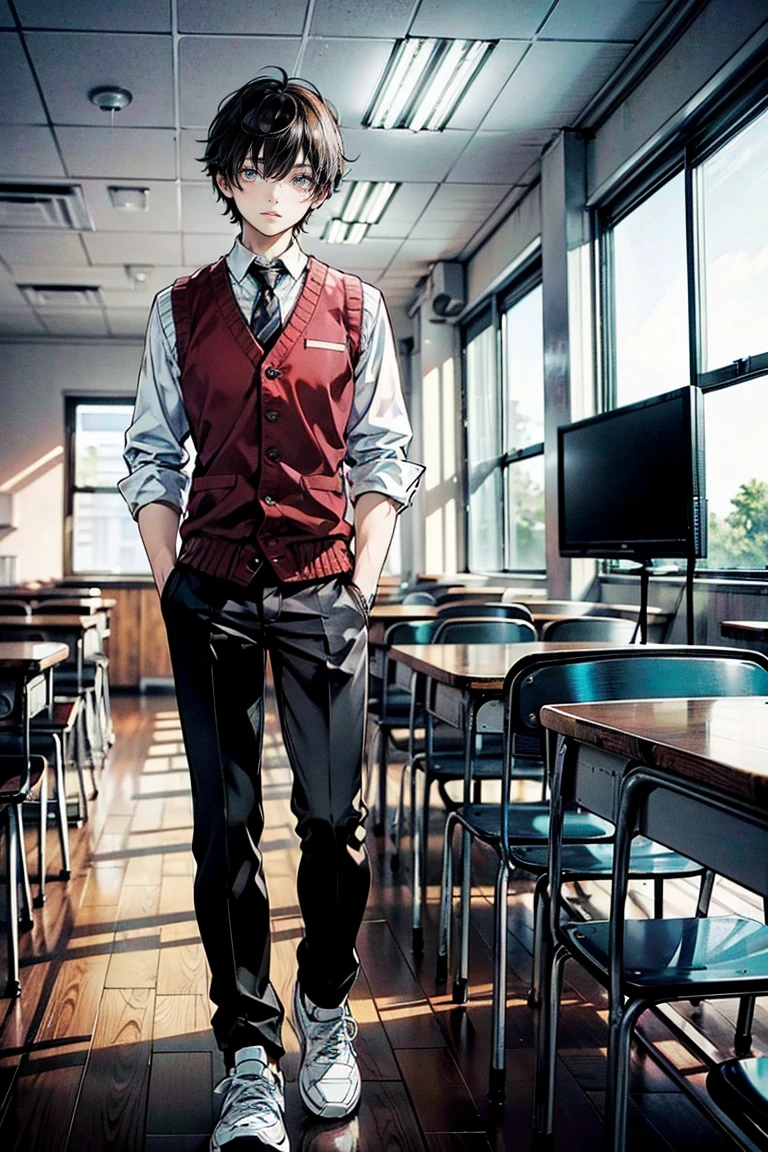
point(240, 258)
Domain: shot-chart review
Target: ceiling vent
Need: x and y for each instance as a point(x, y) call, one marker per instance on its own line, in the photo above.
point(44, 206)
point(56, 296)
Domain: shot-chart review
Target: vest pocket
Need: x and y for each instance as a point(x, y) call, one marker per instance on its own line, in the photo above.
point(201, 483)
point(322, 483)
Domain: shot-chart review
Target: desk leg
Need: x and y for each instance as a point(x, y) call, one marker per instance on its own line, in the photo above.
point(381, 813)
point(461, 978)
point(497, 1075)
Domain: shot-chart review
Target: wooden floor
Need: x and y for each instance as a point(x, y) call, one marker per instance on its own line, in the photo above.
point(110, 1044)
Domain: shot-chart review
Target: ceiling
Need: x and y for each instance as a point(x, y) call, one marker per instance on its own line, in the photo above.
point(180, 58)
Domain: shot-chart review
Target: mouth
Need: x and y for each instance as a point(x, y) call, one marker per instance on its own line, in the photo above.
point(275, 214)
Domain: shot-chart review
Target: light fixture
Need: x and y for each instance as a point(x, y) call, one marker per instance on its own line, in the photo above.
point(138, 273)
point(344, 232)
point(110, 99)
point(129, 199)
point(366, 201)
point(423, 82)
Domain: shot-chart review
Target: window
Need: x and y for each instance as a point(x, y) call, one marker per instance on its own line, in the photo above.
point(101, 537)
point(504, 378)
point(664, 294)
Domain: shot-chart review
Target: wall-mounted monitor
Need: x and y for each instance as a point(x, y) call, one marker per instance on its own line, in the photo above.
point(631, 481)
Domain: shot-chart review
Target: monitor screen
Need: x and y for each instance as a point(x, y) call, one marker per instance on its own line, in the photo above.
point(631, 481)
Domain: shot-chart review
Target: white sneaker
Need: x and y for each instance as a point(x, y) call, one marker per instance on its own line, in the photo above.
point(329, 1079)
point(254, 1105)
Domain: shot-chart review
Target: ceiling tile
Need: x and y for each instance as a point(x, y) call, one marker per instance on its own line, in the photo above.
point(415, 255)
point(211, 67)
point(75, 323)
point(202, 212)
point(463, 202)
point(602, 19)
point(6, 19)
point(70, 64)
point(106, 16)
point(85, 274)
point(552, 85)
point(243, 17)
point(491, 20)
point(493, 158)
point(453, 231)
point(41, 249)
point(19, 99)
point(192, 146)
point(204, 248)
point(20, 322)
point(399, 154)
point(161, 216)
point(404, 209)
point(350, 90)
point(29, 152)
point(119, 153)
point(127, 322)
point(488, 84)
point(133, 247)
point(370, 256)
point(386, 18)
point(117, 295)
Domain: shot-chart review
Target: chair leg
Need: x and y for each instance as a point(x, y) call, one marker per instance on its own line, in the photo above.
point(94, 750)
point(617, 1087)
point(106, 704)
point(658, 898)
point(540, 928)
point(417, 834)
point(500, 914)
point(381, 814)
point(398, 820)
point(42, 835)
point(80, 759)
point(12, 851)
point(461, 977)
point(705, 894)
point(61, 807)
point(446, 900)
point(742, 1040)
point(25, 911)
point(546, 1045)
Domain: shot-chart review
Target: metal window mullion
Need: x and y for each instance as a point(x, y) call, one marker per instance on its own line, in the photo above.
point(607, 318)
point(694, 265)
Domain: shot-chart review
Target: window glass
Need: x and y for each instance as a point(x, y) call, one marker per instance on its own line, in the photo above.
point(484, 450)
point(650, 296)
point(526, 547)
point(99, 439)
point(733, 225)
point(737, 475)
point(523, 343)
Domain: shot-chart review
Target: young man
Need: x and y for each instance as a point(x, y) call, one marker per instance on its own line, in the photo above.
point(283, 373)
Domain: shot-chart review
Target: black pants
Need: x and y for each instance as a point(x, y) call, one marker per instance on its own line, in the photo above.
point(316, 637)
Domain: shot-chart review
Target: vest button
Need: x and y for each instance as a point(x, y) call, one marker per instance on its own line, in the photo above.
point(269, 500)
point(272, 373)
point(273, 454)
point(272, 415)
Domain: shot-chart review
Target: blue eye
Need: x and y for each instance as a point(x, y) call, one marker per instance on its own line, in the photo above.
point(249, 173)
point(302, 181)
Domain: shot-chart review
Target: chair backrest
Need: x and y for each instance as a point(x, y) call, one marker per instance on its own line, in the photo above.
point(588, 628)
point(630, 674)
point(491, 631)
point(475, 596)
point(418, 598)
point(505, 611)
point(410, 632)
point(14, 608)
point(61, 607)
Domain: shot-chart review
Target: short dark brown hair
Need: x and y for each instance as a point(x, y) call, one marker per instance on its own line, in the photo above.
point(281, 120)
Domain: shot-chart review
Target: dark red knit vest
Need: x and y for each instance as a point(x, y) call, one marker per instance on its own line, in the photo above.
point(269, 430)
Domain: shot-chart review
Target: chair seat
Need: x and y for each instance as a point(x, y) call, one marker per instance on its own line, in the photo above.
point(67, 681)
point(63, 719)
point(581, 861)
point(450, 766)
point(740, 1088)
point(665, 959)
point(530, 823)
point(13, 771)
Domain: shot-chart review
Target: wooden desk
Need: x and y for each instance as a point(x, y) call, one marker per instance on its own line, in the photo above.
point(747, 631)
point(82, 634)
point(30, 655)
point(382, 615)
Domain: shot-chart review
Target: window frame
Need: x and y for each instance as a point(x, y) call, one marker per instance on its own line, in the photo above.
point(489, 313)
point(722, 119)
point(71, 402)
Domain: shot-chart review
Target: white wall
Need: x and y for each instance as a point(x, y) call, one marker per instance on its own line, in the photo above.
point(35, 377)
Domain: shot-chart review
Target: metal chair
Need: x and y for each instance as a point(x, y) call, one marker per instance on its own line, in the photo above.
point(582, 677)
point(740, 1089)
point(490, 609)
point(647, 962)
point(478, 630)
point(587, 628)
point(418, 598)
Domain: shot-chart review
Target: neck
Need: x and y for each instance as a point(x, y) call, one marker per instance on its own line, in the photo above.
point(270, 247)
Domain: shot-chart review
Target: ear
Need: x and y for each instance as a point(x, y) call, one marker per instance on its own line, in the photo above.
point(223, 184)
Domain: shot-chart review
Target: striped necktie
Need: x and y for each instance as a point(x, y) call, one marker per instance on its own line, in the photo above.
point(265, 321)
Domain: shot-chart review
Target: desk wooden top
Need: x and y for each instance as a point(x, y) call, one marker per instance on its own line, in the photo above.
point(720, 742)
point(554, 609)
point(83, 604)
point(34, 656)
point(744, 629)
point(392, 613)
point(54, 620)
point(479, 665)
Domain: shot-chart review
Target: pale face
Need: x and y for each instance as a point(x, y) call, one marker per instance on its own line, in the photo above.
point(271, 208)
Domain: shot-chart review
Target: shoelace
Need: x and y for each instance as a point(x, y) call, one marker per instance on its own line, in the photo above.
point(343, 1031)
point(259, 1102)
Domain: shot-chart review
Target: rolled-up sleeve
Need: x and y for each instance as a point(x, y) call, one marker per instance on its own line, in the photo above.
point(154, 442)
point(378, 429)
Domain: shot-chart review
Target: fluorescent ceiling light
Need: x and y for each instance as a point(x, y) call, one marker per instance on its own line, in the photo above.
point(344, 232)
point(129, 199)
point(423, 82)
point(367, 201)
